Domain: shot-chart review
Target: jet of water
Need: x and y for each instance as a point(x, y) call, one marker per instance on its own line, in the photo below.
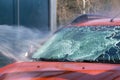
point(17, 43)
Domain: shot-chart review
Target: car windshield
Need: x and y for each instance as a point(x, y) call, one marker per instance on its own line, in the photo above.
point(87, 43)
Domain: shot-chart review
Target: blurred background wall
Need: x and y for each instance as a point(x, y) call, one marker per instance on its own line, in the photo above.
point(37, 13)
point(28, 13)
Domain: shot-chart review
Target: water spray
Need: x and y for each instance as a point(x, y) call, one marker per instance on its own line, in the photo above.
point(19, 49)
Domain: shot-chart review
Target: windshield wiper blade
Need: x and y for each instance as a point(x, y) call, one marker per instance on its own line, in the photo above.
point(47, 59)
point(64, 59)
point(53, 60)
point(89, 61)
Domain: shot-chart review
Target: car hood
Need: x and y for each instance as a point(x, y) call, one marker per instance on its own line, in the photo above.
point(60, 71)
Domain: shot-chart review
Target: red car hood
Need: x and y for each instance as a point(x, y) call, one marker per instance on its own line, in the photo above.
point(60, 71)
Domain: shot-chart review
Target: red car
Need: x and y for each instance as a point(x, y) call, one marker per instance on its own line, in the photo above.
point(87, 49)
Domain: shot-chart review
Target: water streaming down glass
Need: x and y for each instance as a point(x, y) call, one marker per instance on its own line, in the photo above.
point(91, 43)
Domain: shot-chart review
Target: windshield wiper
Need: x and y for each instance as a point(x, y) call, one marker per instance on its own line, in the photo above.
point(64, 59)
point(88, 61)
point(52, 60)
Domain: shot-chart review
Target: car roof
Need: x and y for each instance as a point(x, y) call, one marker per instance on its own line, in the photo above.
point(99, 22)
point(95, 20)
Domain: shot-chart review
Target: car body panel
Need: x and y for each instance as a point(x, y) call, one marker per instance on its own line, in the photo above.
point(98, 22)
point(60, 71)
point(64, 70)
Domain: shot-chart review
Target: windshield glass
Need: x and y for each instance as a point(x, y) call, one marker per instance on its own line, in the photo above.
point(88, 43)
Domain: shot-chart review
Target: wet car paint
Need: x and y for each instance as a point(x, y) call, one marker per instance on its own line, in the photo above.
point(60, 71)
point(98, 22)
point(64, 70)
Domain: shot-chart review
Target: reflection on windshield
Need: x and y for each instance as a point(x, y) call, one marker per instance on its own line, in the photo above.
point(100, 43)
